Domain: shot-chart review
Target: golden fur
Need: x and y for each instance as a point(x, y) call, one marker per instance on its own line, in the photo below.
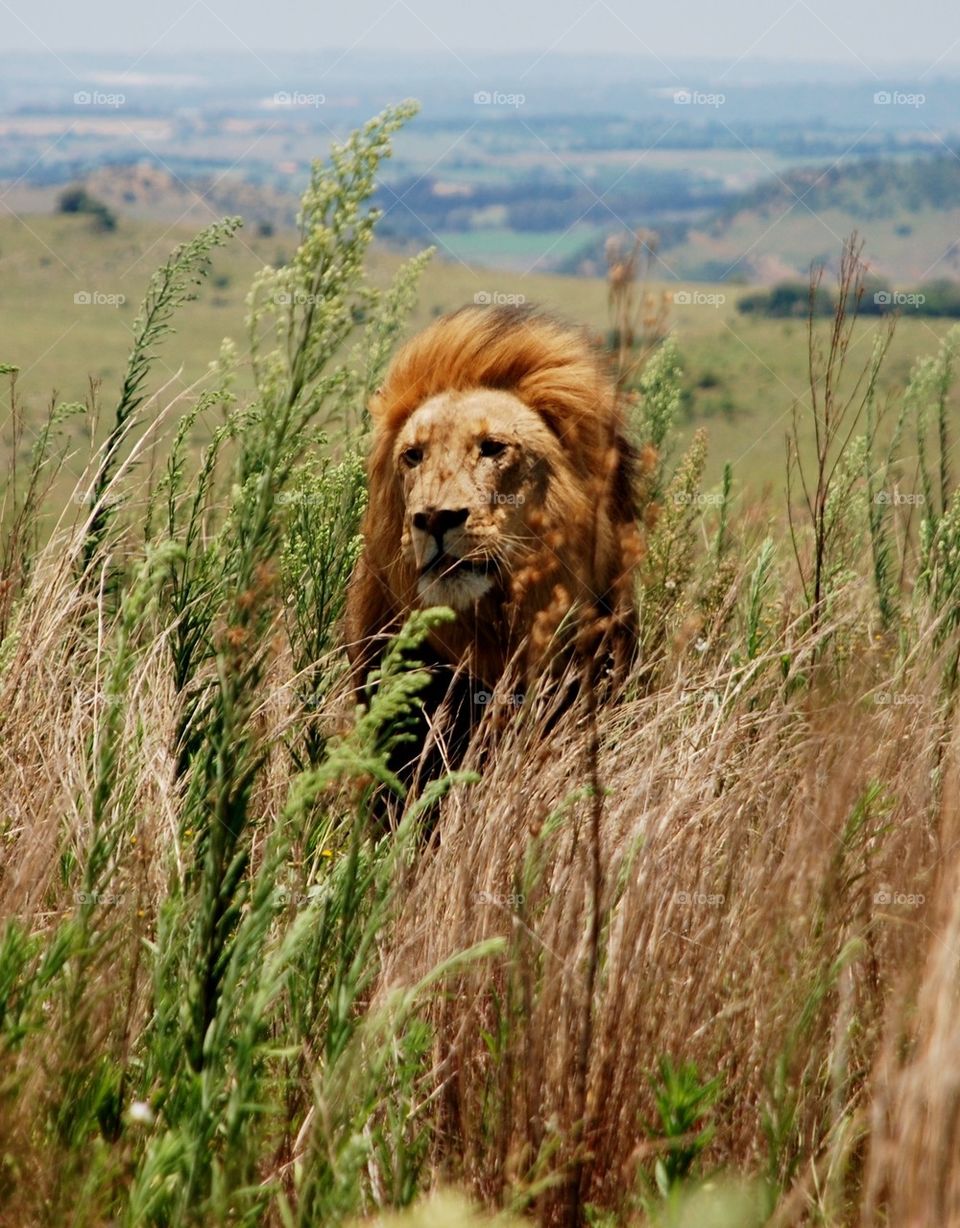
point(500, 484)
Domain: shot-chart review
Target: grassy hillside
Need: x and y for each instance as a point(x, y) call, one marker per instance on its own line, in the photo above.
point(741, 374)
point(906, 208)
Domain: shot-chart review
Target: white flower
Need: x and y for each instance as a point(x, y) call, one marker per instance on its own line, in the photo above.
point(141, 1113)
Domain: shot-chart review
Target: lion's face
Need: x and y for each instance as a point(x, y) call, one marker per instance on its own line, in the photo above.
point(472, 466)
point(500, 485)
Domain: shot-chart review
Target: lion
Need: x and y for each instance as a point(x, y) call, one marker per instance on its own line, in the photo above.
point(502, 485)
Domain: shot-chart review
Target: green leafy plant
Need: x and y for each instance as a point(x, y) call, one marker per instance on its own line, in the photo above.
point(684, 1104)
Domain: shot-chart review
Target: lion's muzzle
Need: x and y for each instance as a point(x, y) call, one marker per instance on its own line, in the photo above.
point(450, 573)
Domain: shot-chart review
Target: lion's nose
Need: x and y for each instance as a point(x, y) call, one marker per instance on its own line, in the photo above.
point(438, 520)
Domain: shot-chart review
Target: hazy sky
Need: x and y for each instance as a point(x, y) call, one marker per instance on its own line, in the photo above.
point(864, 34)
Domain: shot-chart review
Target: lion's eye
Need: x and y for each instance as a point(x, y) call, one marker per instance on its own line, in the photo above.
point(492, 447)
point(412, 456)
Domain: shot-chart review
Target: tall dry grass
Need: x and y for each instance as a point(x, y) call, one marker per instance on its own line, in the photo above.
point(687, 960)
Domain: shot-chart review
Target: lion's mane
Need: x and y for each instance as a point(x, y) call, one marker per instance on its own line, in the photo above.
point(589, 517)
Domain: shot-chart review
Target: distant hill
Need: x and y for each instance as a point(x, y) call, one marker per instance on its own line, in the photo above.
point(867, 188)
point(143, 191)
point(907, 209)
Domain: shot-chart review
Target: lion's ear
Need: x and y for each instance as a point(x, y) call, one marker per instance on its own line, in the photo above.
point(377, 406)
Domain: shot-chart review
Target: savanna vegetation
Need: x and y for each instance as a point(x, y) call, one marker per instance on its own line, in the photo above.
point(690, 958)
point(792, 300)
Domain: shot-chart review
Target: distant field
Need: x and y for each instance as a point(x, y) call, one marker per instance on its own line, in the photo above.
point(742, 373)
point(515, 249)
point(908, 248)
